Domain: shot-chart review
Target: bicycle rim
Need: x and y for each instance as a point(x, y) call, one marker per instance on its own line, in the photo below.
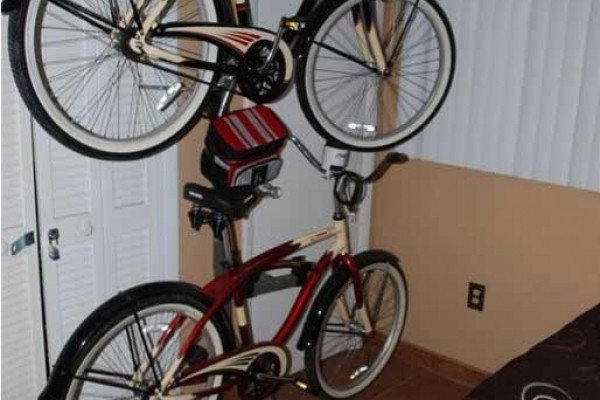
point(348, 360)
point(99, 97)
point(350, 100)
point(119, 352)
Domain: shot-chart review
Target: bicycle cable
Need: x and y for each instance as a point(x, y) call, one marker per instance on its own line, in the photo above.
point(349, 189)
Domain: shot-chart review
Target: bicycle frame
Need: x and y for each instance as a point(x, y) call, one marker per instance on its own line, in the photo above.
point(227, 287)
point(235, 39)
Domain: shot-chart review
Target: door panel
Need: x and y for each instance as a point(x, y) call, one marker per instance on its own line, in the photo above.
point(113, 220)
point(23, 362)
point(67, 199)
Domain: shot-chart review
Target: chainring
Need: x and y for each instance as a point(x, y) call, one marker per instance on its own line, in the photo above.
point(251, 388)
point(258, 84)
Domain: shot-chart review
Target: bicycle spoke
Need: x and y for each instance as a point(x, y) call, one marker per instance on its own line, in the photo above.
point(421, 43)
point(110, 374)
point(326, 93)
point(343, 30)
point(405, 29)
point(344, 76)
point(92, 18)
point(350, 57)
point(421, 53)
point(77, 70)
point(397, 23)
point(77, 84)
point(133, 351)
point(146, 347)
point(377, 308)
point(59, 42)
point(118, 350)
point(110, 383)
point(343, 333)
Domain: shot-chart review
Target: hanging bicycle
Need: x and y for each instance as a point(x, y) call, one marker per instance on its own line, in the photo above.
point(123, 79)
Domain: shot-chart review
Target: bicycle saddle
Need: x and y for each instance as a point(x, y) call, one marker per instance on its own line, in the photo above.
point(234, 202)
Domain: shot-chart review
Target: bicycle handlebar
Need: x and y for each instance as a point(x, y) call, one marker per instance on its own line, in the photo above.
point(389, 160)
point(349, 189)
point(349, 186)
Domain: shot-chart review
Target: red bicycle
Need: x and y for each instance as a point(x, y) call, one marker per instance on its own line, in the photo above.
point(176, 341)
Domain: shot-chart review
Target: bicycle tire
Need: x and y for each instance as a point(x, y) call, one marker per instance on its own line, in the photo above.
point(99, 349)
point(136, 137)
point(324, 356)
point(355, 122)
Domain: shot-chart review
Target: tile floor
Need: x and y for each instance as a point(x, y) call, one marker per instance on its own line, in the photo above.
point(399, 381)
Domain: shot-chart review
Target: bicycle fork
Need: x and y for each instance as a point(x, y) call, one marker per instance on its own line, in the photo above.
point(341, 251)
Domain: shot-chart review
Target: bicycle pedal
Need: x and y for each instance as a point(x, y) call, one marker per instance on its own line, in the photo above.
point(301, 385)
point(283, 379)
point(195, 355)
point(173, 92)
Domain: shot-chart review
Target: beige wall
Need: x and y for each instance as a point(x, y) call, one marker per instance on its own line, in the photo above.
point(535, 246)
point(195, 248)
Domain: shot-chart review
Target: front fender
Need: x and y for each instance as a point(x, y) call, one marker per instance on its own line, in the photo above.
point(317, 313)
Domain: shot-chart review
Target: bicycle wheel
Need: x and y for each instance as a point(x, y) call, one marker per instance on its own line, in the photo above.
point(345, 359)
point(119, 337)
point(92, 93)
point(348, 99)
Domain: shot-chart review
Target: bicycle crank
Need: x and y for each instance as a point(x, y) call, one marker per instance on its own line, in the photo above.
point(300, 384)
point(261, 80)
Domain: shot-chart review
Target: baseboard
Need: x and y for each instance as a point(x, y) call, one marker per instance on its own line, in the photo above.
point(445, 366)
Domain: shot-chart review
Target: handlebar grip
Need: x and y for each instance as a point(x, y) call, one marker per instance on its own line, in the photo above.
point(389, 160)
point(396, 158)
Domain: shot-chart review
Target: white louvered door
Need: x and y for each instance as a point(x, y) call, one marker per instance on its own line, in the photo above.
point(117, 227)
point(23, 362)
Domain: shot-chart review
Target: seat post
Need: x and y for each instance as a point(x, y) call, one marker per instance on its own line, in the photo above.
point(228, 256)
point(226, 251)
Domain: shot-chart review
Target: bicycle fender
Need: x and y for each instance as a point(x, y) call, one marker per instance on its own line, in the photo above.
point(60, 375)
point(10, 5)
point(319, 308)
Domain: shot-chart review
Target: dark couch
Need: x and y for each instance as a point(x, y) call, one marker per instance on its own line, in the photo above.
point(566, 366)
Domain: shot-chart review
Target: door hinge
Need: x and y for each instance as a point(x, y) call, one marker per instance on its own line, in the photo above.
point(25, 240)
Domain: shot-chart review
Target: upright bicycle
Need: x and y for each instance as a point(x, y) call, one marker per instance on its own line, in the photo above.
point(123, 79)
point(176, 341)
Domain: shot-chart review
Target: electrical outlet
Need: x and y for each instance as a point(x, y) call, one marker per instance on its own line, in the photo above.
point(476, 296)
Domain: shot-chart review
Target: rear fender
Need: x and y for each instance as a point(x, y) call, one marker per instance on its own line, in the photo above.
point(61, 372)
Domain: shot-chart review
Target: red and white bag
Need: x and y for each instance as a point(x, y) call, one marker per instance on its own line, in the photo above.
point(244, 148)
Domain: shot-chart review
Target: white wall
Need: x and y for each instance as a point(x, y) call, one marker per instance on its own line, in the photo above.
point(526, 95)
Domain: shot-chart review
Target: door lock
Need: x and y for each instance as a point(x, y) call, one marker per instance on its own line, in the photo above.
point(53, 252)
